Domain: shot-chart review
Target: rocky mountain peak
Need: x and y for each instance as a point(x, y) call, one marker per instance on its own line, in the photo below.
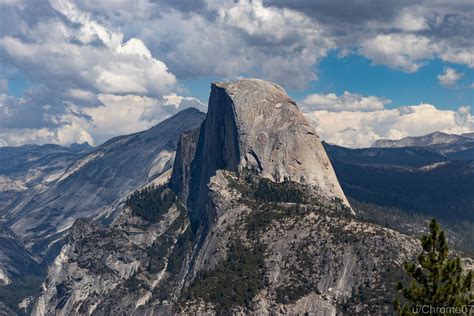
point(263, 245)
point(78, 147)
point(436, 138)
point(253, 124)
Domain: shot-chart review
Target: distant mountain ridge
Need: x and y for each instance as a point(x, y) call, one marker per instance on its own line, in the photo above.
point(80, 181)
point(81, 147)
point(434, 180)
point(34, 163)
point(436, 138)
point(253, 221)
point(30, 168)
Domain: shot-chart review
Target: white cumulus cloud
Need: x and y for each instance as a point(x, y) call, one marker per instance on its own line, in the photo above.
point(402, 51)
point(116, 115)
point(361, 129)
point(449, 77)
point(345, 102)
point(83, 54)
point(88, 61)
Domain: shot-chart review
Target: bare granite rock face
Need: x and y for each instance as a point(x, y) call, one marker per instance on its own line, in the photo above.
point(315, 256)
point(45, 189)
point(185, 152)
point(255, 223)
point(253, 124)
point(15, 260)
point(94, 185)
point(274, 136)
point(108, 270)
point(259, 257)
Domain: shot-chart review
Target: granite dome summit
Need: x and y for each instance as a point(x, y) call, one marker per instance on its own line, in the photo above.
point(254, 124)
point(254, 222)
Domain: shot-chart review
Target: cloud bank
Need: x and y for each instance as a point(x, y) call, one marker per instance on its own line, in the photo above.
point(94, 83)
point(346, 102)
point(102, 68)
point(358, 128)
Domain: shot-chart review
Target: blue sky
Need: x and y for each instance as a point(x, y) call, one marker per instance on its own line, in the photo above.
point(81, 70)
point(17, 85)
point(358, 74)
point(355, 74)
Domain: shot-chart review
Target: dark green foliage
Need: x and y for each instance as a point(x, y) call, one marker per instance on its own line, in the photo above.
point(437, 281)
point(160, 249)
point(290, 294)
point(235, 281)
point(445, 192)
point(252, 186)
point(256, 191)
point(176, 260)
point(374, 175)
point(172, 247)
point(268, 191)
point(157, 253)
point(13, 294)
point(265, 190)
point(377, 300)
point(133, 284)
point(265, 214)
point(460, 235)
point(151, 202)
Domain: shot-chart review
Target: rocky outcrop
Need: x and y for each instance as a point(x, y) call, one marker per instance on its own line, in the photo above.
point(254, 124)
point(253, 221)
point(185, 153)
point(273, 136)
point(15, 260)
point(94, 185)
point(27, 170)
point(315, 257)
point(109, 270)
point(258, 257)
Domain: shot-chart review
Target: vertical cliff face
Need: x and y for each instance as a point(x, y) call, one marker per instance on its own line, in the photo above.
point(253, 221)
point(254, 124)
point(185, 152)
point(217, 148)
point(276, 138)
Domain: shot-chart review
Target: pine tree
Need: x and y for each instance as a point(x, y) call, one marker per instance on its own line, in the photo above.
point(437, 280)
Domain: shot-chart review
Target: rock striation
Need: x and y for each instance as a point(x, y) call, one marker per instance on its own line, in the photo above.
point(253, 124)
point(83, 182)
point(252, 221)
point(272, 135)
point(257, 258)
point(15, 260)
